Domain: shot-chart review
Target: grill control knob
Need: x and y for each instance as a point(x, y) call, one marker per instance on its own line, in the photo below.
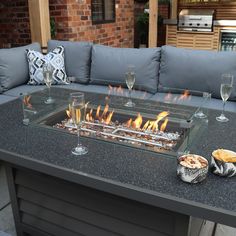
point(182, 23)
point(206, 24)
point(198, 24)
point(190, 24)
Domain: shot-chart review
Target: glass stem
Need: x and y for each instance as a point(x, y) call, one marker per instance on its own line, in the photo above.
point(130, 94)
point(49, 92)
point(78, 134)
point(223, 109)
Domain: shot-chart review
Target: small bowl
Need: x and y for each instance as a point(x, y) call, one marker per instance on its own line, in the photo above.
point(222, 165)
point(194, 173)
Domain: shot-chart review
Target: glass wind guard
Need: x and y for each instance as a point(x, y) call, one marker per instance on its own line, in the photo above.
point(165, 122)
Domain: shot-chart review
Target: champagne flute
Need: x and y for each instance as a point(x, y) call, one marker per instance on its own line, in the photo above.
point(225, 91)
point(130, 80)
point(48, 79)
point(78, 117)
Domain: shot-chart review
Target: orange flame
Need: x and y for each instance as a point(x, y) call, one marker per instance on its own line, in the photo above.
point(109, 117)
point(137, 122)
point(162, 115)
point(185, 95)
point(69, 112)
point(151, 125)
point(105, 111)
point(105, 117)
point(164, 124)
point(89, 116)
point(146, 125)
point(129, 122)
point(98, 111)
point(26, 101)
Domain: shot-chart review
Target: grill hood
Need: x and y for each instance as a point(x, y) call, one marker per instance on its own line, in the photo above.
point(196, 20)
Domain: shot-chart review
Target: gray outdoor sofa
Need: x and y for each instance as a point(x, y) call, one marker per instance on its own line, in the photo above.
point(94, 67)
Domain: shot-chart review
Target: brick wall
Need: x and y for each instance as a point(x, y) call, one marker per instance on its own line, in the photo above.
point(164, 10)
point(14, 23)
point(73, 22)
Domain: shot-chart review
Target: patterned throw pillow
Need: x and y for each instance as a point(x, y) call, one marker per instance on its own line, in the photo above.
point(55, 58)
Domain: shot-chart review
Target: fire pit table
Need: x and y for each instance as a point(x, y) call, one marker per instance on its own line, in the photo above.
point(126, 184)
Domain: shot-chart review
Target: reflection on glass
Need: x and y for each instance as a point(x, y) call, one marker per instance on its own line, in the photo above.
point(200, 114)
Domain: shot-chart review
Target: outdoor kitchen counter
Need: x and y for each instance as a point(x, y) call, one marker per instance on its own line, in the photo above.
point(132, 173)
point(197, 39)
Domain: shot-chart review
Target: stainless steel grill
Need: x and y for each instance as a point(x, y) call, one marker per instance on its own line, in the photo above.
point(196, 20)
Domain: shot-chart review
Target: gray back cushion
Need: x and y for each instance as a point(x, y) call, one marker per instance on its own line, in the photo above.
point(109, 66)
point(14, 68)
point(196, 69)
point(77, 58)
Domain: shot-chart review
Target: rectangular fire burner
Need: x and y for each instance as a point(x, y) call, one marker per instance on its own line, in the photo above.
point(158, 133)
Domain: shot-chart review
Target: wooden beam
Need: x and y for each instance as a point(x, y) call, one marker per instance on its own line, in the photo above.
point(174, 9)
point(39, 21)
point(153, 16)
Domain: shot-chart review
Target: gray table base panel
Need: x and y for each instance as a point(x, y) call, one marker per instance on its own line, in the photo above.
point(45, 205)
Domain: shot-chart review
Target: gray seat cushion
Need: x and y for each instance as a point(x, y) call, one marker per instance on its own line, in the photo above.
point(77, 58)
point(109, 66)
point(14, 69)
point(16, 92)
point(196, 69)
point(196, 101)
point(4, 99)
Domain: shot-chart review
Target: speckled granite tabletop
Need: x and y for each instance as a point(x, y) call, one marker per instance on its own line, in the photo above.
point(145, 171)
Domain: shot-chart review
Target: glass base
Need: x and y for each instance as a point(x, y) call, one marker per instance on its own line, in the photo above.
point(49, 101)
point(26, 121)
point(79, 150)
point(200, 115)
point(130, 104)
point(222, 118)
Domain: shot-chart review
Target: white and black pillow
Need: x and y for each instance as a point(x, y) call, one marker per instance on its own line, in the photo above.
point(36, 61)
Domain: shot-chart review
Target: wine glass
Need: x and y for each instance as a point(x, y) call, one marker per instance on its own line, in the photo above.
point(130, 80)
point(78, 117)
point(225, 91)
point(48, 79)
